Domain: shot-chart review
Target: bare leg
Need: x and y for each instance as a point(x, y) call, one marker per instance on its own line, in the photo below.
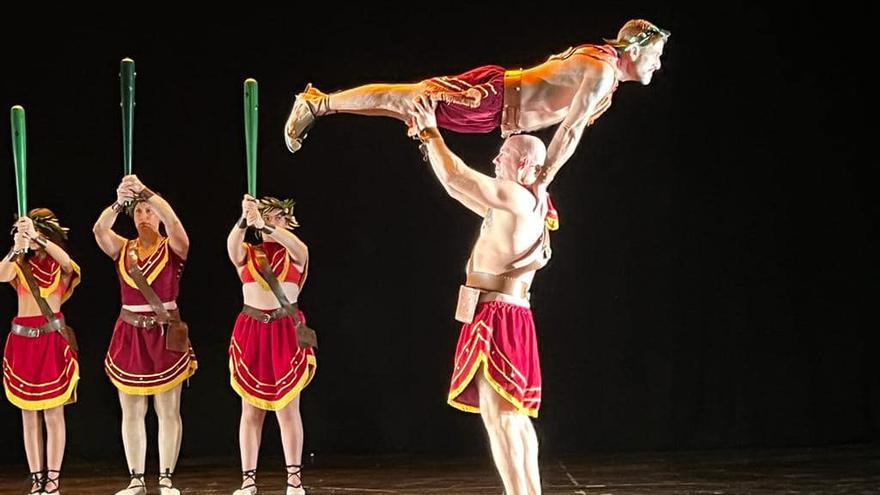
point(505, 427)
point(32, 425)
point(167, 406)
point(291, 426)
point(532, 473)
point(134, 439)
point(386, 100)
point(56, 438)
point(390, 99)
point(249, 435)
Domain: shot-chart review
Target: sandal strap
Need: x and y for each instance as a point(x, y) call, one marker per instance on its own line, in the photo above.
point(249, 475)
point(56, 480)
point(37, 478)
point(139, 477)
point(297, 471)
point(166, 475)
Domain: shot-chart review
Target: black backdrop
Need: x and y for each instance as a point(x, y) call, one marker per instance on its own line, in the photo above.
point(710, 280)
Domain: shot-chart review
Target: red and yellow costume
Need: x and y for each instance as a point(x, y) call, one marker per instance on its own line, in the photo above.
point(501, 343)
point(41, 371)
point(267, 366)
point(138, 361)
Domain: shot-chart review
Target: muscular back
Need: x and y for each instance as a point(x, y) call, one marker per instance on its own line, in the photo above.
point(549, 88)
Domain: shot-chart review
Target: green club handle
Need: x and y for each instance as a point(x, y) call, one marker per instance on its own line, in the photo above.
point(19, 153)
point(126, 86)
point(251, 109)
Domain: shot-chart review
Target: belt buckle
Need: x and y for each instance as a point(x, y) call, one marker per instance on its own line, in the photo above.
point(267, 317)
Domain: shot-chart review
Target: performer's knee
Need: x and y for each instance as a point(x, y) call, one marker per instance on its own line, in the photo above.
point(134, 408)
point(30, 418)
point(498, 418)
point(252, 416)
point(491, 403)
point(168, 414)
point(400, 100)
point(289, 414)
point(531, 439)
point(54, 417)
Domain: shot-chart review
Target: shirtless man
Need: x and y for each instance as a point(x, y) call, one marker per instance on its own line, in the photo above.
point(572, 89)
point(497, 371)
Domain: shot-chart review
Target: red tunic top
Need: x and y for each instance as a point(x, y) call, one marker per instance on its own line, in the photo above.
point(277, 257)
point(49, 276)
point(162, 269)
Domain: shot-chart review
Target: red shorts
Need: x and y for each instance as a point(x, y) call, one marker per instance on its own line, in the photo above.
point(138, 363)
point(502, 345)
point(268, 368)
point(470, 102)
point(39, 372)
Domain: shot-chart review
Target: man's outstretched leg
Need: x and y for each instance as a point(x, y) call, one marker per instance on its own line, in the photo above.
point(470, 102)
point(385, 100)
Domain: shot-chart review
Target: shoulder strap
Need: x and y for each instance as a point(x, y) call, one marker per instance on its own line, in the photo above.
point(35, 290)
point(270, 278)
point(149, 294)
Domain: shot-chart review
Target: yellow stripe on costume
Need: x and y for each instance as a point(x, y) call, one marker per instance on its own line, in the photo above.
point(157, 269)
point(44, 291)
point(68, 397)
point(252, 267)
point(274, 405)
point(482, 360)
point(157, 389)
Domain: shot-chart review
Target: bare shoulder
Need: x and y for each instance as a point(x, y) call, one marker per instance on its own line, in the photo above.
point(588, 64)
point(521, 197)
point(600, 72)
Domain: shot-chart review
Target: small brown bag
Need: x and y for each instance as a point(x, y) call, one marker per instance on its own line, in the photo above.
point(177, 336)
point(468, 297)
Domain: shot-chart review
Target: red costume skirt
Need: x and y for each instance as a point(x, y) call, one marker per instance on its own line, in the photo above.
point(138, 363)
point(39, 372)
point(470, 102)
point(267, 366)
point(502, 345)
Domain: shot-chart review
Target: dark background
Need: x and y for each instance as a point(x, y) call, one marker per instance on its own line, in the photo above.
point(711, 279)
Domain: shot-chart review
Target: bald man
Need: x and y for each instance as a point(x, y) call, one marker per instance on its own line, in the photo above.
point(497, 371)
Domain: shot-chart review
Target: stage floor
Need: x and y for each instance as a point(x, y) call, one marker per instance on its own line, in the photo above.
point(828, 471)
